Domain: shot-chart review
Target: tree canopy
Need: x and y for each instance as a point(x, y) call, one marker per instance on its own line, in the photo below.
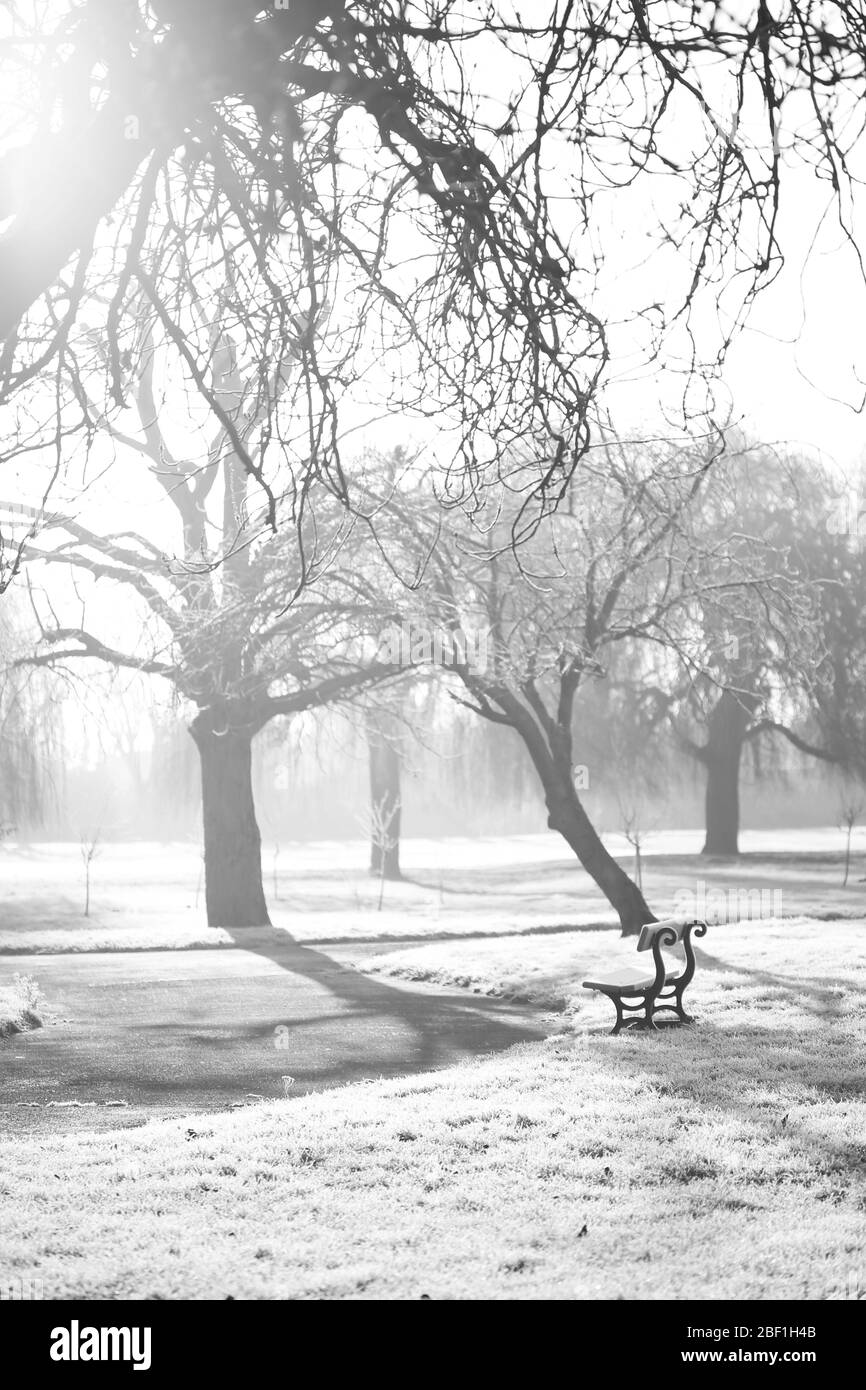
point(424, 204)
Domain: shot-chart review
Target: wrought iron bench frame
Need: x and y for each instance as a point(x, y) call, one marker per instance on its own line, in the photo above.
point(663, 994)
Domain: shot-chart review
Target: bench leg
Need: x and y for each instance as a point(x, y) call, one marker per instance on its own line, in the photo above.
point(672, 1002)
point(648, 1019)
point(632, 1020)
point(620, 1017)
point(642, 1013)
point(681, 1013)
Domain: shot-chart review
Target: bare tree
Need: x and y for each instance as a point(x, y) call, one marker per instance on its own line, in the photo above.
point(851, 810)
point(635, 830)
point(180, 135)
point(382, 827)
point(228, 138)
point(89, 851)
point(622, 560)
point(383, 731)
point(246, 625)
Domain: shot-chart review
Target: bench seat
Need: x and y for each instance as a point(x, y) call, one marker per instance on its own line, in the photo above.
point(627, 979)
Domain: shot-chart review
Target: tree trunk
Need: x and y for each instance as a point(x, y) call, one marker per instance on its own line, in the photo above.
point(567, 815)
point(722, 756)
point(551, 754)
point(234, 893)
point(385, 802)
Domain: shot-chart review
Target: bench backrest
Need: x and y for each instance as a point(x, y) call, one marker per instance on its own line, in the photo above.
point(649, 933)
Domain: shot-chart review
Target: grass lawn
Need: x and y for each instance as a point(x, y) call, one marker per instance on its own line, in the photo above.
point(797, 959)
point(723, 1161)
point(727, 1162)
point(150, 896)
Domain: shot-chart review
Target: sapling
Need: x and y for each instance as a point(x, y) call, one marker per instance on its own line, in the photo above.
point(851, 811)
point(381, 818)
point(89, 851)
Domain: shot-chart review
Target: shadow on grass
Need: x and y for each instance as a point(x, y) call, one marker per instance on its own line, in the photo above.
point(742, 1069)
point(822, 995)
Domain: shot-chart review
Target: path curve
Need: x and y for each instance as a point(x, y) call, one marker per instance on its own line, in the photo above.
point(172, 1032)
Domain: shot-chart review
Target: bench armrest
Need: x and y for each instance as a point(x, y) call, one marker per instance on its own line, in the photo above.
point(668, 936)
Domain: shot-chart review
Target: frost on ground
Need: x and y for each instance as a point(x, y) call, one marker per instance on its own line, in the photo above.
point(148, 896)
point(19, 1005)
point(727, 1161)
point(801, 958)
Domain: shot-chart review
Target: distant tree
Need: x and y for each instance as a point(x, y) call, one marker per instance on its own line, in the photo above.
point(173, 784)
point(831, 554)
point(852, 809)
point(89, 845)
point(621, 731)
point(31, 733)
point(765, 673)
point(636, 831)
point(725, 698)
point(383, 732)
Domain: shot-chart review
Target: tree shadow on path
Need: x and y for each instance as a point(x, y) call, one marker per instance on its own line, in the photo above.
point(430, 1027)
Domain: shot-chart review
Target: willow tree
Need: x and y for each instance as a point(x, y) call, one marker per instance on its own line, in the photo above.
point(764, 674)
point(31, 733)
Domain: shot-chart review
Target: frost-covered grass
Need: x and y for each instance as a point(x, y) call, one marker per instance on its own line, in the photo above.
point(149, 896)
point(726, 1161)
point(20, 1005)
point(800, 957)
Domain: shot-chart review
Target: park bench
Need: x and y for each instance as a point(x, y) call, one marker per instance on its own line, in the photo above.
point(638, 994)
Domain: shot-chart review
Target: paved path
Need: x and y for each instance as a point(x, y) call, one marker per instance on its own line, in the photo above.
point(170, 1032)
